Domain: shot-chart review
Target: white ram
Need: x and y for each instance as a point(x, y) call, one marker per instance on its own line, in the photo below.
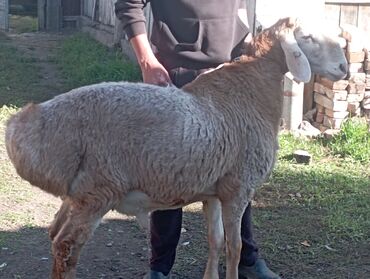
point(137, 148)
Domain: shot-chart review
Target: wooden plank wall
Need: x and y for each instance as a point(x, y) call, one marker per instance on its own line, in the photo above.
point(71, 7)
point(106, 12)
point(87, 8)
point(4, 20)
point(347, 12)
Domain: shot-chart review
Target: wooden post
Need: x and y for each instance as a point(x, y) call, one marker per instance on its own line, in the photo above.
point(4, 16)
point(53, 15)
point(118, 31)
point(41, 15)
point(251, 11)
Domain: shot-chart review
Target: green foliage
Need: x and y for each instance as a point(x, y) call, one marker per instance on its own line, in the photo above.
point(23, 24)
point(85, 61)
point(353, 141)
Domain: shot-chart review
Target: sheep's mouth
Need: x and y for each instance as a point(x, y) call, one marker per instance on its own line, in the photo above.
point(335, 76)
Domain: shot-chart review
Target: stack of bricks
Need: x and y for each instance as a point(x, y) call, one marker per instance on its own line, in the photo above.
point(366, 100)
point(336, 101)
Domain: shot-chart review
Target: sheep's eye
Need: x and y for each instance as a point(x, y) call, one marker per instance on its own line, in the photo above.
point(308, 37)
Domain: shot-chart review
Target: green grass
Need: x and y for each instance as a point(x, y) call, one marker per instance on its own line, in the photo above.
point(84, 61)
point(23, 24)
point(18, 76)
point(337, 186)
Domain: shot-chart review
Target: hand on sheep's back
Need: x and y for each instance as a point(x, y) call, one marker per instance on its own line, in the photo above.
point(154, 73)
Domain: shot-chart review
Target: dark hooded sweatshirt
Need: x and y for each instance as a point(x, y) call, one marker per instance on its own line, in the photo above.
point(193, 34)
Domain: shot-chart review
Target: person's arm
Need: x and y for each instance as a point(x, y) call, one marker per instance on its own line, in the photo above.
point(130, 12)
point(152, 70)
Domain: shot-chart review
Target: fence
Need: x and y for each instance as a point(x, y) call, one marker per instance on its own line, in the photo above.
point(349, 12)
point(4, 14)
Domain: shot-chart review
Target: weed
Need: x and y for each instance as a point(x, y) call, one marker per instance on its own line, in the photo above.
point(353, 140)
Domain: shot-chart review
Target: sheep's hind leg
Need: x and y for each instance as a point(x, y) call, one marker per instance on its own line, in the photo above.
point(74, 224)
point(212, 210)
point(232, 212)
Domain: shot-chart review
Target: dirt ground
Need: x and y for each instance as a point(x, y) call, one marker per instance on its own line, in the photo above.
point(119, 247)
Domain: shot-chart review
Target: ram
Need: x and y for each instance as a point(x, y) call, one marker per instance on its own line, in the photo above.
point(136, 148)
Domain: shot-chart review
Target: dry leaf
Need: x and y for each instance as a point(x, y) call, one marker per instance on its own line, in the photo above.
point(305, 243)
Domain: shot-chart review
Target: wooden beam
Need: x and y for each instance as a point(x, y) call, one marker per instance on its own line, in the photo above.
point(347, 2)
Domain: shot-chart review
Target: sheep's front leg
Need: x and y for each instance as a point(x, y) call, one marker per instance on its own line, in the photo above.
point(74, 224)
point(212, 210)
point(232, 212)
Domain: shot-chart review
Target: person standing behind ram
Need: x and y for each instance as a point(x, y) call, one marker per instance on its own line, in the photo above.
point(189, 38)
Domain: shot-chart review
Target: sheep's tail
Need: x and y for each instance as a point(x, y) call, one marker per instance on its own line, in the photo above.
point(23, 140)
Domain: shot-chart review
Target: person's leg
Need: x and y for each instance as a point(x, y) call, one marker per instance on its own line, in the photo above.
point(165, 231)
point(251, 266)
point(249, 251)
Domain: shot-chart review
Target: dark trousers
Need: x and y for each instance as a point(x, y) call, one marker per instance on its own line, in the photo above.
point(165, 226)
point(165, 234)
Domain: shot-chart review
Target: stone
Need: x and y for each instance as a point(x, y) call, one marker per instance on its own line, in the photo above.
point(356, 67)
point(320, 108)
point(302, 156)
point(336, 85)
point(358, 87)
point(307, 130)
point(319, 118)
point(331, 133)
point(366, 104)
point(357, 97)
point(356, 77)
point(367, 65)
point(333, 123)
point(330, 104)
point(355, 57)
point(336, 114)
point(340, 95)
point(352, 107)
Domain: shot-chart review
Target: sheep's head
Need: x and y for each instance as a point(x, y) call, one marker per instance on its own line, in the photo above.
point(307, 50)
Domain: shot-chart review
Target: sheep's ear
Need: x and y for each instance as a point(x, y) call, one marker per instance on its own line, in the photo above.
point(296, 60)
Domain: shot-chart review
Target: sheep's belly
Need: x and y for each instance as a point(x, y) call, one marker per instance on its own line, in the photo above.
point(139, 204)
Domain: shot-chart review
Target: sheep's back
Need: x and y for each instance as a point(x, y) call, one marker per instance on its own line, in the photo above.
point(132, 136)
point(161, 141)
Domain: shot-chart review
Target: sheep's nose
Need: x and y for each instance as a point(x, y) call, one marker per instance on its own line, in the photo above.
point(343, 67)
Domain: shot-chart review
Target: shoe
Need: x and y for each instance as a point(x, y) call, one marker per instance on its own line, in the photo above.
point(156, 275)
point(257, 271)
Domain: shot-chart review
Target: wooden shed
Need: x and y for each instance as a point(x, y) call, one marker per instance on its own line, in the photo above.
point(54, 15)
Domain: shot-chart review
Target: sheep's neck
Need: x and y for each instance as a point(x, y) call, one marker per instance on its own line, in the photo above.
point(251, 86)
point(265, 45)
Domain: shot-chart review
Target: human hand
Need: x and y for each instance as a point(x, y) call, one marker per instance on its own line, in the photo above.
point(154, 73)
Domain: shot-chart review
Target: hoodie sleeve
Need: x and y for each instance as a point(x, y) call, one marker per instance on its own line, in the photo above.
point(130, 12)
